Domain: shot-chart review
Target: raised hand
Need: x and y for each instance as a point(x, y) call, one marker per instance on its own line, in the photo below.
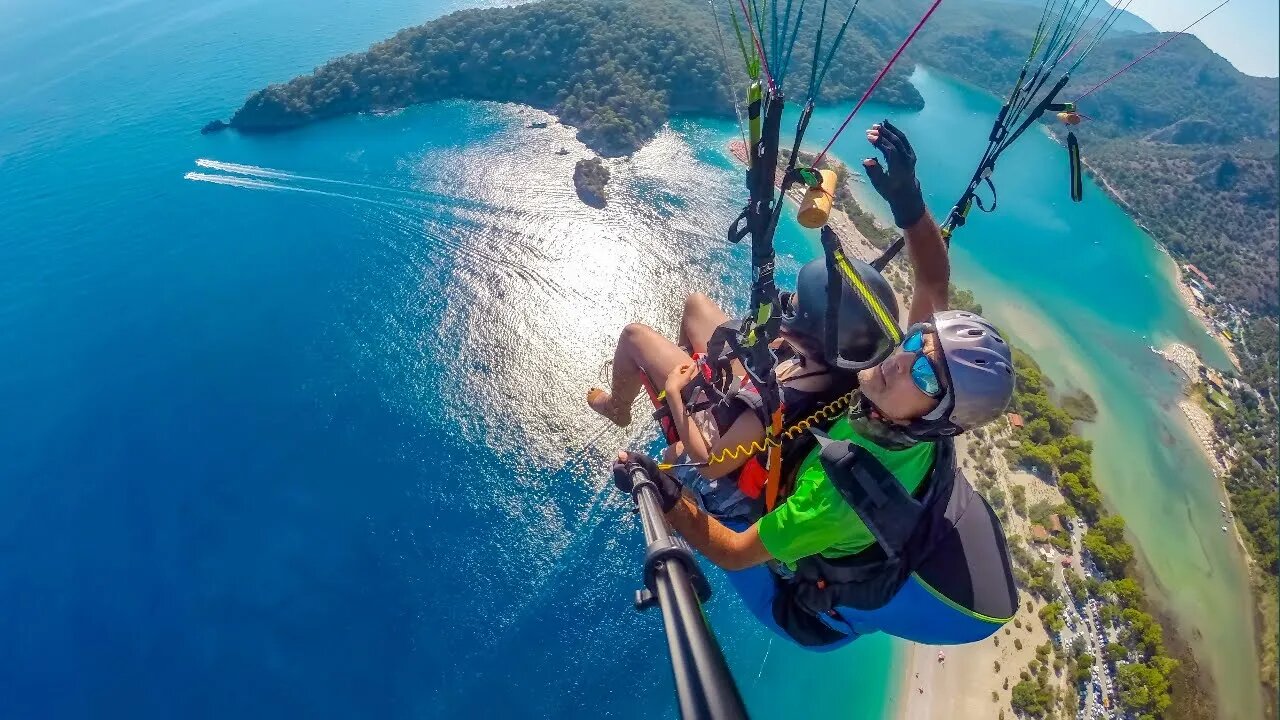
point(898, 184)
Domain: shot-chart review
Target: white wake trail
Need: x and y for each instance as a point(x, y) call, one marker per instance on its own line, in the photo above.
point(253, 184)
point(252, 170)
point(233, 181)
point(273, 174)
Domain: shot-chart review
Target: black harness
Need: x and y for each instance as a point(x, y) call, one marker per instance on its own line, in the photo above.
point(908, 529)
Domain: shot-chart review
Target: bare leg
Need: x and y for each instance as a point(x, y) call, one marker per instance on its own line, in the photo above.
point(701, 318)
point(641, 351)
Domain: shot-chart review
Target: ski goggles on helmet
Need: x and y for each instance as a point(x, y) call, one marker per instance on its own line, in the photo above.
point(923, 373)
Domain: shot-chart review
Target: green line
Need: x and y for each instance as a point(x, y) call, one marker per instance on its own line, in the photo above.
point(952, 604)
point(749, 59)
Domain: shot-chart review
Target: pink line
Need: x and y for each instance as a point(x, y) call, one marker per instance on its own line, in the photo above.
point(1150, 52)
point(879, 77)
point(764, 61)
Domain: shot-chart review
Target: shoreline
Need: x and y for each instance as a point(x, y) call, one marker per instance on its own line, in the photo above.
point(1193, 307)
point(976, 679)
point(1180, 285)
point(1201, 425)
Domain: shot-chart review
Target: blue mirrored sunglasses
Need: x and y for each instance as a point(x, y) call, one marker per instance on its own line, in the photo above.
point(923, 374)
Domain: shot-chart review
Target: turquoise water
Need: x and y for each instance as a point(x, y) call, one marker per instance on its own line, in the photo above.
point(297, 430)
point(294, 424)
point(1087, 292)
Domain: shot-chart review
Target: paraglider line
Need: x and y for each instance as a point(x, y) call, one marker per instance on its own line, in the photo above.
point(1152, 51)
point(874, 83)
point(1093, 32)
point(764, 61)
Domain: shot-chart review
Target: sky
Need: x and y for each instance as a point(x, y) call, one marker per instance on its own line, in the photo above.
point(1246, 32)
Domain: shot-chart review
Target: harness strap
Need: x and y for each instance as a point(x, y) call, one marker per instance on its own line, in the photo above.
point(880, 500)
point(774, 480)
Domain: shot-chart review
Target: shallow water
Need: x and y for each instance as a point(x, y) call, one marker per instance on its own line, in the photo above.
point(1087, 292)
point(298, 429)
point(295, 422)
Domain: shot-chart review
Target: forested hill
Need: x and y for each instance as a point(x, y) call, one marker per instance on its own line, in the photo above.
point(1187, 141)
point(614, 69)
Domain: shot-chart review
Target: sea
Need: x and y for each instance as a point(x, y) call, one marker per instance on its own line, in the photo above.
point(295, 424)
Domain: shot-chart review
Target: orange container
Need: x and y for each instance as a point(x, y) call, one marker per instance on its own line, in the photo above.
point(815, 209)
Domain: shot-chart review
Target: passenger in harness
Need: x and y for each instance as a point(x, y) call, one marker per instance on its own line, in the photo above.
point(730, 487)
point(878, 530)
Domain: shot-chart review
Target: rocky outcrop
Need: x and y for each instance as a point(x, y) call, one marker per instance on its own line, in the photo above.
point(589, 178)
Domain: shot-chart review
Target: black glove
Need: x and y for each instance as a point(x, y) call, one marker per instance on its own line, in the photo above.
point(667, 486)
point(899, 185)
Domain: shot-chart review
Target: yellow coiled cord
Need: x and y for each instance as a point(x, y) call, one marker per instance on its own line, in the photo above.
point(826, 412)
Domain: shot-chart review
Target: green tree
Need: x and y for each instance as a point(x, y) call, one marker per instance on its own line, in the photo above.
point(1051, 616)
point(1105, 542)
point(1143, 632)
point(1115, 652)
point(1018, 494)
point(1143, 688)
point(1127, 591)
point(1026, 699)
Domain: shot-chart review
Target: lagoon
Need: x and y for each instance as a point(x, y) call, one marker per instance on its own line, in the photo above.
point(298, 430)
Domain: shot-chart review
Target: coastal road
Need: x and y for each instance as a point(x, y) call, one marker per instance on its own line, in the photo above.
point(1086, 623)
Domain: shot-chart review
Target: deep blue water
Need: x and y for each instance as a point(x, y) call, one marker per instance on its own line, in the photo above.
point(294, 424)
point(304, 436)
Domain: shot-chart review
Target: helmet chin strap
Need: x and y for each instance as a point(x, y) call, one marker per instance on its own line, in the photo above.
point(872, 422)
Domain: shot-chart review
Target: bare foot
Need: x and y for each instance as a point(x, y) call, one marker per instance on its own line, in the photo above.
point(602, 402)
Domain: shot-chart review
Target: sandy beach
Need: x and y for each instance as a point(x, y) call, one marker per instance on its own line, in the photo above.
point(974, 681)
point(1202, 427)
point(961, 687)
point(1193, 307)
point(1185, 359)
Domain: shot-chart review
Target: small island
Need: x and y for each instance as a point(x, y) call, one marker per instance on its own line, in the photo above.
point(213, 126)
point(589, 178)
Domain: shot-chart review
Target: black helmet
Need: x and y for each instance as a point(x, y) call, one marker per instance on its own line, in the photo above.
point(860, 335)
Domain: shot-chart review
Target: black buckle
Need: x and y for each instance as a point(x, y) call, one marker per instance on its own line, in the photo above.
point(659, 552)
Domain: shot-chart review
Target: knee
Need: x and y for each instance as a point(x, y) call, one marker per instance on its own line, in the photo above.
point(695, 302)
point(634, 333)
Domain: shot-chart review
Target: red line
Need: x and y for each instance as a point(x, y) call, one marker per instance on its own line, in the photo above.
point(1150, 52)
point(764, 61)
point(879, 77)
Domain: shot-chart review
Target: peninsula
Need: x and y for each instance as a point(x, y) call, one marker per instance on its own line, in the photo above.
point(617, 71)
point(614, 70)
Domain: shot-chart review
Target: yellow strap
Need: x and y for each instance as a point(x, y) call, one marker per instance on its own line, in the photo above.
point(887, 323)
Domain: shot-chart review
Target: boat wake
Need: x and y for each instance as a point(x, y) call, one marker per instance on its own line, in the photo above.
point(273, 174)
point(253, 183)
point(439, 218)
